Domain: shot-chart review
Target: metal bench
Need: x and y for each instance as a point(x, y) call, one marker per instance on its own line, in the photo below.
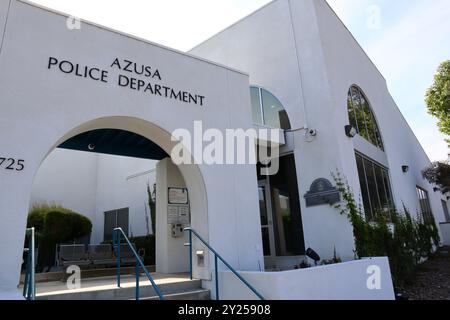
point(101, 254)
point(126, 255)
point(73, 254)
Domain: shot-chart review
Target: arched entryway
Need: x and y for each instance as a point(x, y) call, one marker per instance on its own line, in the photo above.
point(45, 106)
point(161, 145)
point(137, 138)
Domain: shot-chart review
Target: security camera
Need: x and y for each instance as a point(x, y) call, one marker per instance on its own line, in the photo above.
point(312, 132)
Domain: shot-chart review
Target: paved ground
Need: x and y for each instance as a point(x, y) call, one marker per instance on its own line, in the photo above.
point(432, 281)
point(104, 283)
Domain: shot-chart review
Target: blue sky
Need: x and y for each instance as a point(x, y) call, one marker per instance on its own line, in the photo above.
point(406, 39)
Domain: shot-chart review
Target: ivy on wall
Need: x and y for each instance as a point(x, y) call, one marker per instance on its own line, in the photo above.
point(152, 205)
point(405, 240)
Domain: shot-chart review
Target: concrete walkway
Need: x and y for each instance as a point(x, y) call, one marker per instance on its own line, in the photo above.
point(107, 283)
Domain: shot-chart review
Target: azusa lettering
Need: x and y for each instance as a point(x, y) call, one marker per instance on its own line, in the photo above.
point(138, 69)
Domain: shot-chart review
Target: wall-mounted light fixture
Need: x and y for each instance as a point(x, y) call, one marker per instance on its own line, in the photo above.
point(350, 131)
point(405, 169)
point(310, 253)
point(91, 147)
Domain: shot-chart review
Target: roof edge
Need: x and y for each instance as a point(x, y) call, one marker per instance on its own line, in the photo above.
point(233, 24)
point(186, 54)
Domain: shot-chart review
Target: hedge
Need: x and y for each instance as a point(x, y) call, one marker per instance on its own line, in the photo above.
point(148, 244)
point(55, 225)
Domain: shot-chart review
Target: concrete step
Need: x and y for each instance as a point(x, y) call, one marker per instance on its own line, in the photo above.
point(174, 287)
point(85, 274)
point(444, 251)
point(201, 294)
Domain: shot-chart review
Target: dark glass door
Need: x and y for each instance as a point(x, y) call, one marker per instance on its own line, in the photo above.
point(266, 219)
point(281, 222)
point(115, 219)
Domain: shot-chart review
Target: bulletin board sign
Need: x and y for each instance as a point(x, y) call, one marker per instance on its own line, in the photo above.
point(178, 214)
point(178, 196)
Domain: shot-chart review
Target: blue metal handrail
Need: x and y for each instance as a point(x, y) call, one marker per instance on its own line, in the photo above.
point(29, 286)
point(216, 258)
point(117, 235)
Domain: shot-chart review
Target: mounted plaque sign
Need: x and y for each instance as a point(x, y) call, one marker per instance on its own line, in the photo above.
point(322, 192)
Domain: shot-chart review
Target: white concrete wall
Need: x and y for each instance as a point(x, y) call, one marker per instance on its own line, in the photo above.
point(347, 64)
point(171, 254)
point(4, 7)
point(92, 184)
point(344, 281)
point(265, 45)
point(301, 52)
point(445, 232)
point(117, 188)
point(46, 107)
point(68, 178)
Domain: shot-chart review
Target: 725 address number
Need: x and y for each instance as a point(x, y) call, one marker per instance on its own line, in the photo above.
point(12, 164)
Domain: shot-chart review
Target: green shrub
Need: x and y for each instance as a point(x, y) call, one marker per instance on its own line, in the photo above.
point(63, 226)
point(55, 225)
point(406, 245)
point(147, 243)
point(36, 218)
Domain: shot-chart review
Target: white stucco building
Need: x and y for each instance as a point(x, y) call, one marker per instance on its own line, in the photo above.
point(291, 66)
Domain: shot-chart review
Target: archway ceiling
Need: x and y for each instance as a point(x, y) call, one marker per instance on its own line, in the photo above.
point(115, 142)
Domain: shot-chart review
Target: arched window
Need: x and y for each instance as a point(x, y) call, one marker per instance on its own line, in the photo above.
point(267, 110)
point(362, 118)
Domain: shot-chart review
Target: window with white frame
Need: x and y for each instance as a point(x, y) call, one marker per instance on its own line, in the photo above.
point(267, 110)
